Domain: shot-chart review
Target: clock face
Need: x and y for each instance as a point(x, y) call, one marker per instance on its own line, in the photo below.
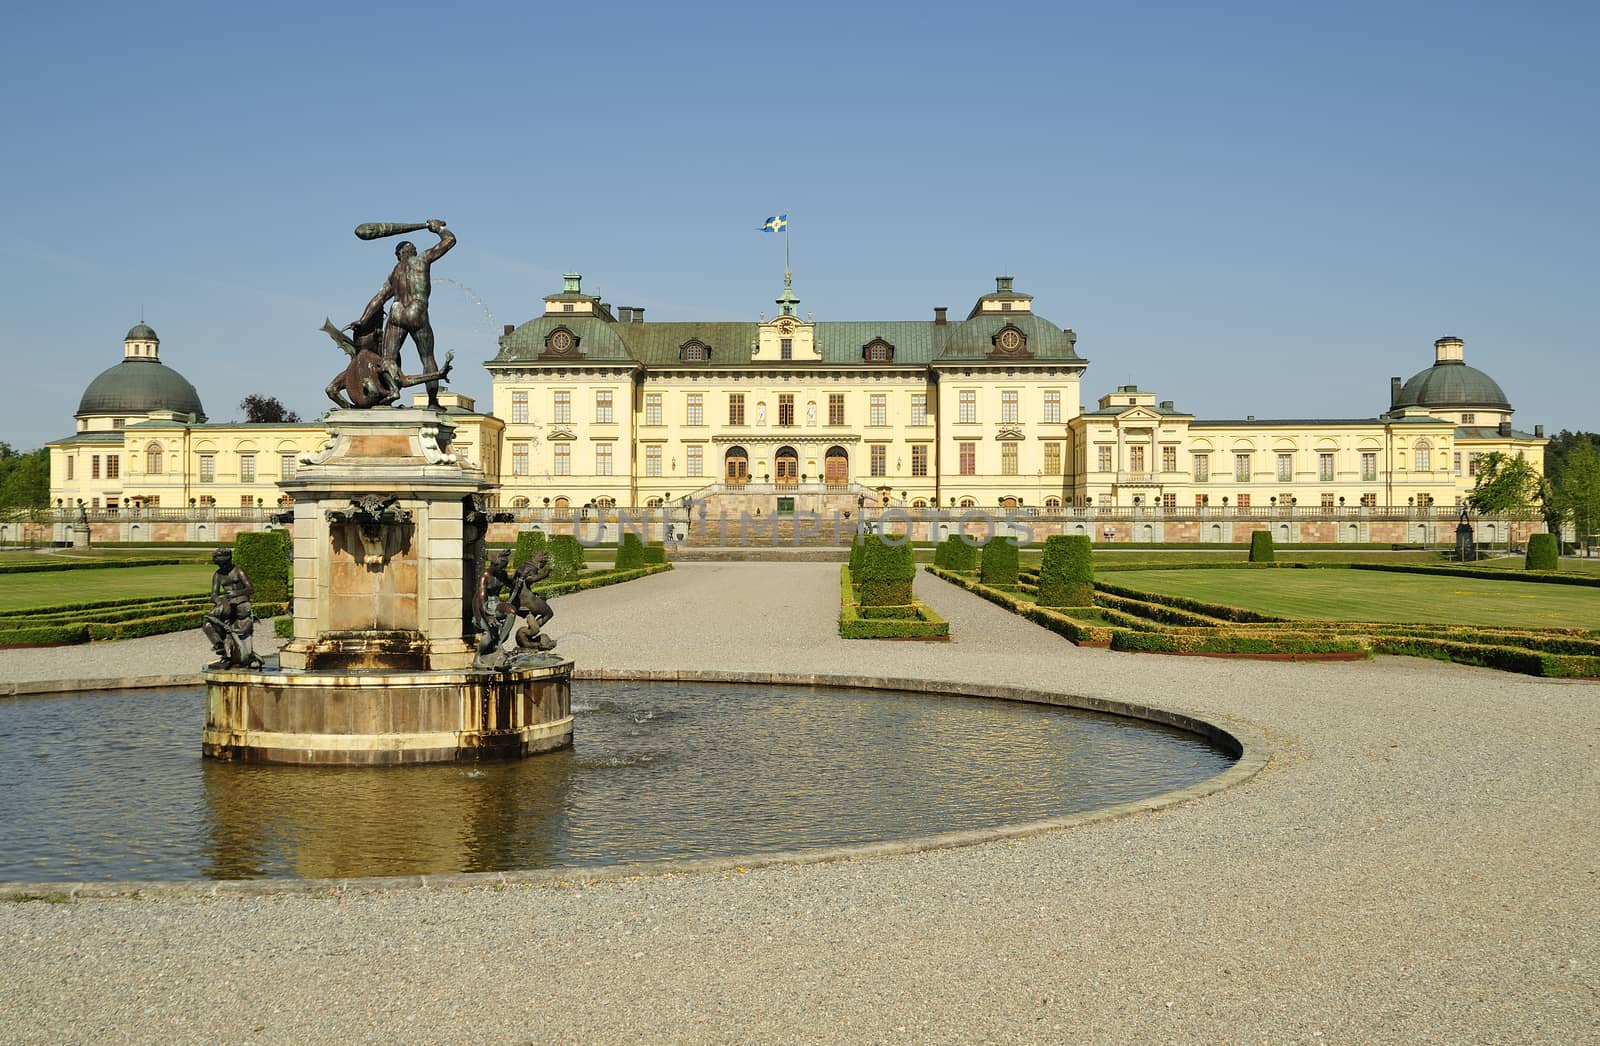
point(561, 341)
point(1010, 340)
point(786, 327)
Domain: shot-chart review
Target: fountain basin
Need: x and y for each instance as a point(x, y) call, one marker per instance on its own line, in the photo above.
point(384, 718)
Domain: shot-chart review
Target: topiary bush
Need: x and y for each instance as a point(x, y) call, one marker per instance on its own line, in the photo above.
point(528, 542)
point(955, 554)
point(1066, 572)
point(630, 553)
point(998, 565)
point(566, 557)
point(655, 554)
point(1261, 550)
point(1543, 553)
point(265, 556)
point(858, 545)
point(886, 573)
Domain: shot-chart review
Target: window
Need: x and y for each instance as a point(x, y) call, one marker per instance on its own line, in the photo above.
point(1052, 407)
point(1325, 467)
point(286, 465)
point(1244, 500)
point(1468, 419)
point(1202, 468)
point(563, 408)
point(1285, 468)
point(696, 413)
point(1053, 504)
point(1472, 463)
point(70, 461)
point(246, 501)
point(878, 459)
point(208, 468)
point(519, 459)
point(879, 352)
point(1424, 458)
point(1200, 500)
point(919, 408)
point(94, 467)
point(602, 406)
point(1327, 501)
point(1008, 407)
point(563, 458)
point(1052, 459)
point(652, 460)
point(566, 306)
point(1103, 460)
point(1169, 501)
point(1369, 465)
point(697, 459)
point(919, 459)
point(785, 408)
point(694, 352)
point(519, 408)
point(967, 406)
point(736, 408)
point(1169, 459)
point(969, 459)
point(1369, 500)
point(602, 459)
point(786, 348)
point(878, 409)
point(1455, 463)
point(652, 408)
point(1136, 458)
point(1424, 500)
point(1241, 467)
point(835, 408)
point(1008, 459)
point(247, 468)
point(117, 423)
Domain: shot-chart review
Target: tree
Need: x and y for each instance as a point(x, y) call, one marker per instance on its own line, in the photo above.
point(24, 477)
point(1506, 486)
point(1556, 453)
point(1574, 493)
point(259, 408)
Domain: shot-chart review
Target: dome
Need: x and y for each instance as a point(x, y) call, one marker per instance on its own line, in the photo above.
point(139, 386)
point(1450, 385)
point(141, 332)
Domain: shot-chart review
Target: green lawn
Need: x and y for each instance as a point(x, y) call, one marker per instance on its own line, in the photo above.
point(1160, 557)
point(53, 588)
point(1365, 595)
point(1568, 565)
point(107, 554)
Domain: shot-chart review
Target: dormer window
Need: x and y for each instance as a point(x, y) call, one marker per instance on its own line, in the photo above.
point(1009, 341)
point(560, 343)
point(877, 351)
point(694, 351)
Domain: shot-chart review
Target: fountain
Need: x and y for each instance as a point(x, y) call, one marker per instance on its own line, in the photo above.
point(388, 543)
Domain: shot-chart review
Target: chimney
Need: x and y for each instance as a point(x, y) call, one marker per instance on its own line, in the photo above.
point(638, 314)
point(1166, 404)
point(939, 317)
point(510, 327)
point(1394, 393)
point(1002, 284)
point(1538, 432)
point(1505, 427)
point(572, 283)
point(624, 314)
point(1448, 350)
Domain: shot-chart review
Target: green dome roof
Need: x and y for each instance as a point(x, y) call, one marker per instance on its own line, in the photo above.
point(137, 386)
point(141, 332)
point(1451, 384)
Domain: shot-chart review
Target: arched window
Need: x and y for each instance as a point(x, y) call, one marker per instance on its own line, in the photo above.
point(152, 459)
point(563, 507)
point(1054, 504)
point(605, 503)
point(969, 503)
point(652, 503)
point(519, 502)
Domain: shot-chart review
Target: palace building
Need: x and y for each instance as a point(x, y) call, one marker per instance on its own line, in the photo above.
point(595, 407)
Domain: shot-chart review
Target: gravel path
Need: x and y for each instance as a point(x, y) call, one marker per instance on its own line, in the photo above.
point(1420, 862)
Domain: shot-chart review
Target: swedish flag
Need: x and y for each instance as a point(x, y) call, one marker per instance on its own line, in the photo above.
point(776, 223)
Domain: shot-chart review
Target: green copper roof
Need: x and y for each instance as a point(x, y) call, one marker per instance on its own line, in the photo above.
point(138, 386)
point(1452, 384)
point(141, 332)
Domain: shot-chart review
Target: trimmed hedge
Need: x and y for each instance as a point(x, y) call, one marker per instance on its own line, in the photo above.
point(529, 542)
point(1507, 659)
point(858, 549)
point(1217, 610)
point(598, 579)
point(1543, 554)
point(886, 573)
point(1066, 572)
point(121, 625)
point(283, 627)
point(998, 565)
point(1261, 550)
point(630, 553)
point(89, 564)
point(265, 555)
point(1586, 580)
point(45, 635)
point(566, 557)
point(918, 621)
point(955, 554)
point(655, 554)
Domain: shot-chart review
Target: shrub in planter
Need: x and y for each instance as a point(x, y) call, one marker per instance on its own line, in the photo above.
point(886, 573)
point(1261, 550)
point(1542, 553)
point(528, 542)
point(566, 557)
point(1066, 572)
point(630, 553)
point(955, 554)
point(264, 556)
point(999, 563)
point(655, 554)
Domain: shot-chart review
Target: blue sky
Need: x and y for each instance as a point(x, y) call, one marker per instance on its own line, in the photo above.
point(1251, 209)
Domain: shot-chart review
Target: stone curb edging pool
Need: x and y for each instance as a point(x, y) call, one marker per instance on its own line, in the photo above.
point(1242, 740)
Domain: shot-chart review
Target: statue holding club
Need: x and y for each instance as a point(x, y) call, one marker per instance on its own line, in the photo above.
point(374, 377)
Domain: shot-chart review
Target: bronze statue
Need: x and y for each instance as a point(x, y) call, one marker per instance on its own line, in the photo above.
point(510, 628)
point(232, 622)
point(374, 377)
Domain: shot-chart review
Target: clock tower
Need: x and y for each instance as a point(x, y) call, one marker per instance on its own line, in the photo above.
point(786, 338)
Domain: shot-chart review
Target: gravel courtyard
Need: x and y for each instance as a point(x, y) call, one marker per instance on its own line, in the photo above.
point(1420, 861)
